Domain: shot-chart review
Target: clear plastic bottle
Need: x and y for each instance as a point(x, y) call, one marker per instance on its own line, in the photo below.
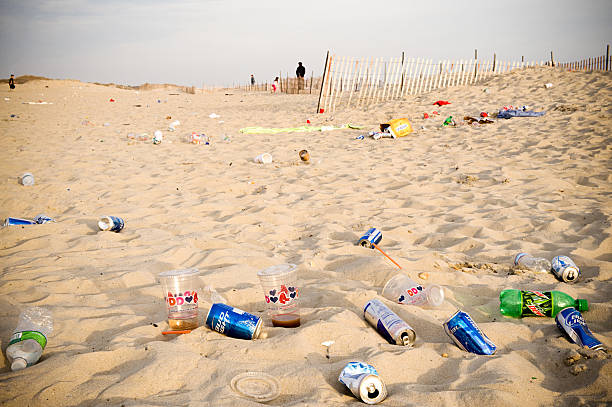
point(29, 338)
point(404, 290)
point(537, 264)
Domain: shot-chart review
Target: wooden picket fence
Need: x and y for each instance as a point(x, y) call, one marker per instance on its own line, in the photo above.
point(353, 82)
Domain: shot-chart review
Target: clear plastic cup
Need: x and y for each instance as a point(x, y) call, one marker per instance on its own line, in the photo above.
point(264, 158)
point(279, 284)
point(181, 288)
point(403, 290)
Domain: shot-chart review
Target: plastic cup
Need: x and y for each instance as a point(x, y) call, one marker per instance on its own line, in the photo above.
point(281, 294)
point(403, 290)
point(263, 158)
point(181, 289)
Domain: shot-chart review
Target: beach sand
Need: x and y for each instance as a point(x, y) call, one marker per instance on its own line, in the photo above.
point(457, 203)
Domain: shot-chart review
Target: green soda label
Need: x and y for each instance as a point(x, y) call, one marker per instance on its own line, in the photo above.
point(22, 336)
point(537, 303)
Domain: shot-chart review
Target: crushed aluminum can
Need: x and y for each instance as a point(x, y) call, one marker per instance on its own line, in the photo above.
point(373, 235)
point(361, 137)
point(464, 332)
point(565, 269)
point(363, 381)
point(26, 179)
point(233, 322)
point(111, 224)
point(570, 322)
point(40, 219)
point(388, 324)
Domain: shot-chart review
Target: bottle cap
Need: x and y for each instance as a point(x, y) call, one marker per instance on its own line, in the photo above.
point(582, 305)
point(19, 364)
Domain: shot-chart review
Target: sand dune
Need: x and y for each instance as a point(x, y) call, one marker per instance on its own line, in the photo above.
point(457, 203)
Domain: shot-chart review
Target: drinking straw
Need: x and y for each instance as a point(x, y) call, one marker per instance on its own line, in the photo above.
point(386, 255)
point(180, 332)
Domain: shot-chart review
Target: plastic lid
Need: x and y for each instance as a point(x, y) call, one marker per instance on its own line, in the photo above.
point(277, 271)
point(435, 295)
point(582, 305)
point(19, 364)
point(179, 273)
point(257, 386)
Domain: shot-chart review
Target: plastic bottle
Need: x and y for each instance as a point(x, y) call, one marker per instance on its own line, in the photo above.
point(537, 264)
point(404, 290)
point(517, 303)
point(29, 338)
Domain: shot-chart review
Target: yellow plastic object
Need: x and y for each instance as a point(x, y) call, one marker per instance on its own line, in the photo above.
point(398, 127)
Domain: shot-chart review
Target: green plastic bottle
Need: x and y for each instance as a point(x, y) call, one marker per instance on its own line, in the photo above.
point(517, 303)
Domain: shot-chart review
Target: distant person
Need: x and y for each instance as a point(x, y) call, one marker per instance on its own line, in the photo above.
point(300, 72)
point(252, 80)
point(275, 84)
point(12, 82)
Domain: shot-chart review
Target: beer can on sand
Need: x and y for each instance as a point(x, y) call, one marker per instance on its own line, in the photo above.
point(388, 324)
point(26, 179)
point(363, 381)
point(565, 269)
point(18, 221)
point(464, 332)
point(111, 224)
point(233, 322)
point(570, 322)
point(40, 219)
point(373, 235)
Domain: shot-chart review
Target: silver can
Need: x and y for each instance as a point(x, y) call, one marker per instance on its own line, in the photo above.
point(363, 381)
point(26, 179)
point(565, 269)
point(388, 324)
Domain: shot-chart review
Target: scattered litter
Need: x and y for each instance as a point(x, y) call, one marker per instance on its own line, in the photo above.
point(424, 275)
point(195, 138)
point(363, 381)
point(449, 121)
point(7, 99)
point(397, 127)
point(257, 386)
point(14, 115)
point(304, 155)
point(111, 100)
point(548, 85)
point(111, 224)
point(138, 137)
point(484, 114)
point(38, 220)
point(264, 158)
point(157, 137)
point(425, 116)
point(26, 179)
point(213, 115)
point(473, 120)
point(168, 117)
point(361, 137)
point(441, 103)
point(38, 103)
point(510, 113)
point(106, 124)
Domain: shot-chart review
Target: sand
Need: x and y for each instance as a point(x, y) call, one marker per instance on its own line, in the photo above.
point(457, 203)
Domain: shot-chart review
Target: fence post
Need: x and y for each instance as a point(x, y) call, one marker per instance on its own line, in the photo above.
point(552, 59)
point(402, 85)
point(322, 82)
point(607, 56)
point(494, 59)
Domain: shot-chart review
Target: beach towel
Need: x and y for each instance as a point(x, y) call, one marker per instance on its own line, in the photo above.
point(508, 114)
point(304, 129)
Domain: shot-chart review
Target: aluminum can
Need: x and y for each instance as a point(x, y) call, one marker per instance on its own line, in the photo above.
point(570, 322)
point(565, 269)
point(373, 235)
point(363, 381)
point(111, 224)
point(40, 219)
point(26, 179)
point(464, 332)
point(233, 322)
point(157, 137)
point(388, 324)
point(18, 221)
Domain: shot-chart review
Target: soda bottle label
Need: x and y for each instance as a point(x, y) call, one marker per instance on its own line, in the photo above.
point(24, 335)
point(536, 303)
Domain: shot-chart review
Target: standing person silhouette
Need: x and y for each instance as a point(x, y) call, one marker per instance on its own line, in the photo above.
point(275, 85)
point(300, 72)
point(252, 80)
point(12, 82)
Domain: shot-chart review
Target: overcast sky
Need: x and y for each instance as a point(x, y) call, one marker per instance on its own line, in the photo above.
point(219, 42)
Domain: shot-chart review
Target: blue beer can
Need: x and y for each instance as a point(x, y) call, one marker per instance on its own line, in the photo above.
point(464, 332)
point(570, 322)
point(565, 269)
point(18, 221)
point(40, 219)
point(111, 224)
point(233, 322)
point(373, 235)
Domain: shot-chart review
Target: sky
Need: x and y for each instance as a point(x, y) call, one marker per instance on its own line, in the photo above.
point(223, 42)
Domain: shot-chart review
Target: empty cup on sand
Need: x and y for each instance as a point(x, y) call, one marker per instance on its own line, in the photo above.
point(279, 284)
point(26, 179)
point(263, 158)
point(403, 290)
point(181, 289)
